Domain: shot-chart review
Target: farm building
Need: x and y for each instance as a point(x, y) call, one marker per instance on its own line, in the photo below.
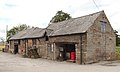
point(84, 40)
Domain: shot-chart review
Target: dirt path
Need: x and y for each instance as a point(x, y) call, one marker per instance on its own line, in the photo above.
point(15, 63)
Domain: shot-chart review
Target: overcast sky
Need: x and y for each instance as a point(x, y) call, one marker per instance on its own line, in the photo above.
point(38, 13)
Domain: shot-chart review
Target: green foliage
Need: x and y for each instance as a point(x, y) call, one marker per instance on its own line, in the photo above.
point(60, 16)
point(16, 29)
point(118, 49)
point(118, 41)
point(117, 38)
point(117, 53)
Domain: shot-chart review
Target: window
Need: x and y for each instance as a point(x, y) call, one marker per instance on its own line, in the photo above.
point(103, 26)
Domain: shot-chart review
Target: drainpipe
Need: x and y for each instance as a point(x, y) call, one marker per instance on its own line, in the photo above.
point(105, 48)
point(80, 48)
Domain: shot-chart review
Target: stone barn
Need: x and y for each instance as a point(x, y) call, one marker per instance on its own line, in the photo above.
point(27, 40)
point(83, 40)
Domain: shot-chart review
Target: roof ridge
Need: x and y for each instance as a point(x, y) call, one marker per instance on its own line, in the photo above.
point(74, 25)
point(89, 14)
point(77, 17)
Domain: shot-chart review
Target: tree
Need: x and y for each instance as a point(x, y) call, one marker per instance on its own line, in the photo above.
point(16, 29)
point(2, 40)
point(60, 16)
point(117, 38)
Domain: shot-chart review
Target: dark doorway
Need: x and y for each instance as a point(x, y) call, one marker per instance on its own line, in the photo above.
point(67, 52)
point(15, 49)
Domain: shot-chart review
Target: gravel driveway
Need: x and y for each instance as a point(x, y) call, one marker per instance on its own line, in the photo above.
point(15, 63)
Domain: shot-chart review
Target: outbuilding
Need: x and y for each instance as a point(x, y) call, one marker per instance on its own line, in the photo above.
point(83, 40)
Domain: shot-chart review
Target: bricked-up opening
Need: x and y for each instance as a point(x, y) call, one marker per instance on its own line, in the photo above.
point(66, 52)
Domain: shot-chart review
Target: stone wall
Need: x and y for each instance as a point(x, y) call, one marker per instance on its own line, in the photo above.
point(93, 46)
point(26, 44)
point(49, 49)
point(55, 41)
point(40, 45)
point(100, 45)
point(11, 46)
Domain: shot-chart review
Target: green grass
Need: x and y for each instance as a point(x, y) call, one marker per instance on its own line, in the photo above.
point(118, 49)
point(118, 53)
point(117, 46)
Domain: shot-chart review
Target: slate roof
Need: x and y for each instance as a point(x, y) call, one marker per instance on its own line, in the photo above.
point(34, 33)
point(71, 26)
point(74, 25)
point(29, 33)
point(19, 35)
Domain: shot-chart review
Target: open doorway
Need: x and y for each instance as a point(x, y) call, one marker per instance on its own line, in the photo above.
point(15, 49)
point(66, 52)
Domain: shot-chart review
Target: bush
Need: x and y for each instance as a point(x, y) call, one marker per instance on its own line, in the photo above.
point(117, 53)
point(117, 56)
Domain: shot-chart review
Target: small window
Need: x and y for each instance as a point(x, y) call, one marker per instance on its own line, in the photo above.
point(103, 26)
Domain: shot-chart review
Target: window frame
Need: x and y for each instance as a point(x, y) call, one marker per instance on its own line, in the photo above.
point(103, 26)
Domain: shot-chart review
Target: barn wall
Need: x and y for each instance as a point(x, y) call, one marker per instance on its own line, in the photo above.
point(100, 45)
point(11, 46)
point(40, 45)
point(12, 43)
point(53, 41)
point(22, 47)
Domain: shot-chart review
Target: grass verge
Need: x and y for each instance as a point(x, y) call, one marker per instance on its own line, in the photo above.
point(117, 53)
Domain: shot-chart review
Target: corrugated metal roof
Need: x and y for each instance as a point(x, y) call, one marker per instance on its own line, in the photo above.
point(74, 25)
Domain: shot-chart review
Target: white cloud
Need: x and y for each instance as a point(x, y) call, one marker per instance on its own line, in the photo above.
point(39, 12)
